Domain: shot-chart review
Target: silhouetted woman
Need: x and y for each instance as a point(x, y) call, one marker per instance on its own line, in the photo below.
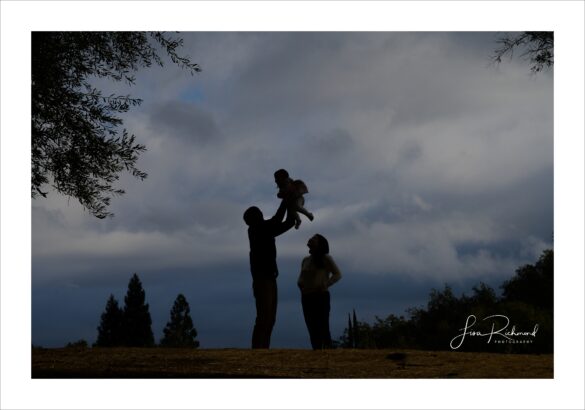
point(318, 273)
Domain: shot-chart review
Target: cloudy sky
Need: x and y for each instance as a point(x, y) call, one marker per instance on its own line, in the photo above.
point(426, 166)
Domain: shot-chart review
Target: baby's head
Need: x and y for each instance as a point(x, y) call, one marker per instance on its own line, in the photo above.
point(281, 176)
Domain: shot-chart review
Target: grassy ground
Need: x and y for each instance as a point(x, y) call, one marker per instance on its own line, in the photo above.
point(283, 363)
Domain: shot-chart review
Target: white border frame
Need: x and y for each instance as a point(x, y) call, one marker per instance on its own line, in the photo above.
point(19, 18)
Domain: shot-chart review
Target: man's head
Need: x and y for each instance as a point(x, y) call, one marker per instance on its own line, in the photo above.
point(253, 216)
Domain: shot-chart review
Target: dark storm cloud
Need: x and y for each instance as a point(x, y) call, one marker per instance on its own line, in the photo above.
point(333, 143)
point(185, 121)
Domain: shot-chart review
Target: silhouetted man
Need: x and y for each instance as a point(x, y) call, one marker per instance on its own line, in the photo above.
point(262, 234)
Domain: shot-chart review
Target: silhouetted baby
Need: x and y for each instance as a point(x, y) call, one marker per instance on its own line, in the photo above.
point(292, 191)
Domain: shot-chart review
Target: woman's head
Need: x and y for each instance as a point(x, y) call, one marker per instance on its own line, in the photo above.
point(318, 245)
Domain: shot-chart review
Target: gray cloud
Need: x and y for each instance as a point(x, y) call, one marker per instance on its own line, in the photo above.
point(185, 121)
point(333, 143)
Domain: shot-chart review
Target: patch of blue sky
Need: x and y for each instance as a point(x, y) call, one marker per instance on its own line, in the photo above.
point(192, 94)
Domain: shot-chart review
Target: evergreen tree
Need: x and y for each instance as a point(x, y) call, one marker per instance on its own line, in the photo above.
point(351, 342)
point(110, 328)
point(179, 331)
point(137, 321)
point(356, 335)
point(346, 339)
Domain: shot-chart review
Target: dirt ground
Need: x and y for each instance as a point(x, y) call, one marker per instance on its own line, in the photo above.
point(282, 363)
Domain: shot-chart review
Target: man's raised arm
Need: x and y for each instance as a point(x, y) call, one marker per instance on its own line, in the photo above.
point(279, 215)
point(277, 226)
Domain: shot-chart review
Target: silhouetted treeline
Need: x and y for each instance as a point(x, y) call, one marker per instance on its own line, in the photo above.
point(132, 325)
point(520, 321)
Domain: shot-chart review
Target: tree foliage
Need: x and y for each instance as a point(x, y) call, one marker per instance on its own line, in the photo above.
point(137, 322)
point(110, 330)
point(80, 344)
point(527, 299)
point(357, 335)
point(532, 284)
point(179, 331)
point(535, 46)
point(76, 143)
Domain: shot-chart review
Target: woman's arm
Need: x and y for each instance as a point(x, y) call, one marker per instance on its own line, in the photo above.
point(333, 269)
point(301, 280)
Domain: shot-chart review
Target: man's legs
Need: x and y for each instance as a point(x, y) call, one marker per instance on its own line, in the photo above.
point(266, 295)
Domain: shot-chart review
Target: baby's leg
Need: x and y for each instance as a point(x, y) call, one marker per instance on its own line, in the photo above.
point(297, 220)
point(291, 209)
point(300, 202)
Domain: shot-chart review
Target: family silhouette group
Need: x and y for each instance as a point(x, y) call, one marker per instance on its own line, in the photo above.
point(318, 270)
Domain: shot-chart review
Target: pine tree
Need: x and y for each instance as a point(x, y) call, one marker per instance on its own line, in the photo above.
point(137, 321)
point(350, 340)
point(110, 328)
point(356, 331)
point(179, 331)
